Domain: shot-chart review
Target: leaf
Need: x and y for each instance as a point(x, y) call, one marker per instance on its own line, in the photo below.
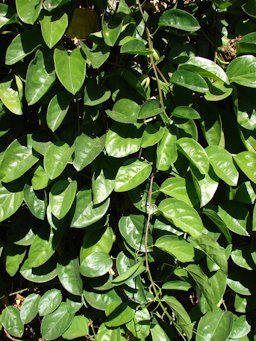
point(131, 174)
point(86, 150)
point(53, 26)
point(139, 326)
point(118, 314)
point(78, 328)
point(182, 215)
point(238, 287)
point(189, 80)
point(51, 4)
point(215, 325)
point(40, 77)
point(69, 276)
point(49, 302)
point(10, 97)
point(57, 110)
point(157, 332)
point(17, 160)
point(247, 44)
point(100, 300)
point(150, 108)
point(206, 68)
point(35, 202)
point(29, 308)
point(14, 255)
point(56, 158)
point(195, 153)
point(132, 272)
point(22, 45)
point(217, 91)
point(11, 321)
point(222, 164)
point(56, 323)
point(6, 13)
point(166, 153)
point(39, 179)
point(41, 274)
point(96, 264)
point(29, 10)
point(212, 250)
point(10, 202)
point(240, 327)
point(124, 111)
point(95, 93)
point(176, 285)
point(135, 46)
point(246, 161)
point(61, 197)
point(177, 247)
point(132, 228)
point(177, 18)
point(240, 257)
point(185, 112)
point(241, 70)
point(112, 30)
point(97, 55)
point(250, 8)
point(73, 75)
point(183, 320)
point(86, 213)
point(122, 140)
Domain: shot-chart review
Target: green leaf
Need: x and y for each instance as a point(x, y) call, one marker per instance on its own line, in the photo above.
point(182, 215)
point(166, 153)
point(246, 161)
point(177, 18)
point(247, 44)
point(152, 134)
point(195, 153)
point(96, 264)
point(14, 255)
point(68, 274)
point(56, 158)
point(73, 74)
point(51, 4)
point(240, 257)
point(206, 68)
point(61, 197)
point(177, 247)
point(100, 300)
point(132, 228)
point(53, 26)
point(176, 285)
point(41, 274)
point(250, 8)
point(78, 328)
point(50, 301)
point(112, 30)
point(29, 10)
point(106, 334)
point(185, 112)
point(35, 202)
point(132, 272)
point(12, 322)
point(29, 308)
point(150, 108)
point(10, 202)
point(157, 332)
point(10, 97)
point(97, 55)
point(39, 179)
point(217, 91)
point(86, 213)
point(215, 325)
point(124, 111)
point(183, 321)
point(135, 46)
point(212, 250)
point(57, 110)
point(95, 93)
point(139, 326)
point(118, 314)
point(56, 323)
point(241, 71)
point(240, 327)
point(17, 160)
point(131, 174)
point(40, 77)
point(6, 13)
point(22, 45)
point(223, 164)
point(122, 140)
point(238, 287)
point(189, 80)
point(86, 150)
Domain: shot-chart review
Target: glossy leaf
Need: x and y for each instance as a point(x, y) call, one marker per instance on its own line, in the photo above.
point(150, 108)
point(10, 97)
point(247, 163)
point(247, 44)
point(133, 271)
point(41, 274)
point(189, 80)
point(177, 18)
point(157, 332)
point(61, 197)
point(166, 153)
point(177, 247)
point(176, 285)
point(68, 274)
point(10, 202)
point(182, 215)
point(223, 165)
point(6, 13)
point(241, 71)
point(53, 27)
point(50, 301)
point(139, 326)
point(56, 158)
point(72, 76)
point(56, 323)
point(105, 334)
point(215, 325)
point(29, 308)
point(11, 321)
point(240, 327)
point(135, 46)
point(96, 264)
point(185, 112)
point(78, 328)
point(124, 111)
point(40, 77)
point(28, 11)
point(86, 213)
point(95, 93)
point(100, 300)
point(39, 179)
point(35, 202)
point(131, 174)
point(118, 314)
point(57, 110)
point(14, 256)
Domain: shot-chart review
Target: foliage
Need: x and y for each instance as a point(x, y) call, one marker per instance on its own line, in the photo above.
point(128, 169)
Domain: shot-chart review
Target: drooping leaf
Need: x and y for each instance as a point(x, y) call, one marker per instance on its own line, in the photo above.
point(35, 202)
point(247, 163)
point(10, 202)
point(10, 97)
point(180, 19)
point(166, 153)
point(189, 80)
point(57, 110)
